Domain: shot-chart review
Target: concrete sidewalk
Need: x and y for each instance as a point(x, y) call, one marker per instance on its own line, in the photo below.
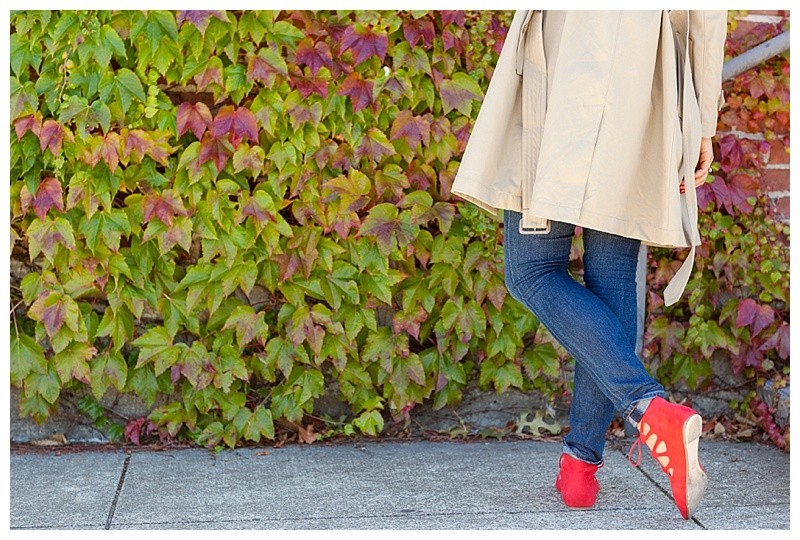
point(383, 485)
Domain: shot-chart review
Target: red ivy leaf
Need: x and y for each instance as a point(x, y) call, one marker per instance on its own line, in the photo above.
point(216, 150)
point(719, 188)
point(731, 153)
point(453, 17)
point(762, 84)
point(48, 195)
point(336, 31)
point(414, 129)
point(164, 206)
point(110, 151)
point(459, 92)
point(265, 65)
point(50, 136)
point(374, 145)
point(211, 74)
point(195, 117)
point(409, 322)
point(133, 428)
point(310, 85)
point(416, 29)
point(704, 195)
point(314, 55)
point(364, 43)
point(747, 357)
point(32, 122)
point(236, 123)
point(499, 32)
point(756, 316)
point(421, 176)
point(199, 18)
point(325, 152)
point(343, 157)
point(388, 227)
point(253, 209)
point(779, 341)
point(450, 41)
point(287, 265)
point(136, 144)
point(461, 130)
point(496, 292)
point(159, 148)
point(437, 77)
point(258, 69)
point(767, 422)
point(359, 90)
point(741, 188)
point(53, 309)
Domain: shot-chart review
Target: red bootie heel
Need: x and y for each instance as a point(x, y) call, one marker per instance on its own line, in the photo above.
point(672, 432)
point(576, 482)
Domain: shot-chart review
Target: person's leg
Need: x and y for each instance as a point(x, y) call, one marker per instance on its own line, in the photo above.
point(609, 263)
point(537, 275)
point(536, 272)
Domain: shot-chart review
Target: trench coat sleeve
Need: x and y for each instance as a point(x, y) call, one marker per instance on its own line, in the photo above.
point(707, 32)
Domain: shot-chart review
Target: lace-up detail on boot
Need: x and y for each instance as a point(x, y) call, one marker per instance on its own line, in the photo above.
point(672, 433)
point(576, 482)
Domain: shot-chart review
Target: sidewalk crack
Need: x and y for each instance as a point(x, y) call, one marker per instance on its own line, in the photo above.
point(119, 489)
point(662, 490)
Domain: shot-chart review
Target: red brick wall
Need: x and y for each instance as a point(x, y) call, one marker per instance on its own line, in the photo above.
point(775, 179)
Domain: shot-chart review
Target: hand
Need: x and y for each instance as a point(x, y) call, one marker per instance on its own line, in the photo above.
point(703, 168)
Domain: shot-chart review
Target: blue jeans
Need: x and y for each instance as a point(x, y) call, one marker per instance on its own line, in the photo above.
point(595, 323)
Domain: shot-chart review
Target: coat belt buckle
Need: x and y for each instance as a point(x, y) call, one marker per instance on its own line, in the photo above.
point(534, 230)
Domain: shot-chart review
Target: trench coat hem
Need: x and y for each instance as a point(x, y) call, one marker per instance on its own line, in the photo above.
point(645, 231)
point(490, 199)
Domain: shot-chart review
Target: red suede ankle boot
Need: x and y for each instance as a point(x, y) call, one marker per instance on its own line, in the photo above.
point(576, 482)
point(672, 432)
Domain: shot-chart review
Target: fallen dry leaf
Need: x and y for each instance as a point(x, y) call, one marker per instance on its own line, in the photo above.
point(306, 435)
point(56, 439)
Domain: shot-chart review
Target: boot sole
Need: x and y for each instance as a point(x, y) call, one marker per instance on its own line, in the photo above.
point(696, 480)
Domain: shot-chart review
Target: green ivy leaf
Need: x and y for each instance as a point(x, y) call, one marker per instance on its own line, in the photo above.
point(156, 346)
point(47, 385)
point(85, 116)
point(23, 98)
point(248, 325)
point(109, 367)
point(110, 225)
point(540, 358)
point(24, 54)
point(369, 422)
point(27, 357)
point(111, 42)
point(259, 424)
point(143, 382)
point(118, 324)
point(285, 33)
point(72, 362)
point(124, 85)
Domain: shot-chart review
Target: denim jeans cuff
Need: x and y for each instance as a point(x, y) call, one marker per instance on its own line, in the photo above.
point(565, 448)
point(635, 411)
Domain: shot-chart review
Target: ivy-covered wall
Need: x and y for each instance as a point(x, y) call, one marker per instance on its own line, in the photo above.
point(229, 211)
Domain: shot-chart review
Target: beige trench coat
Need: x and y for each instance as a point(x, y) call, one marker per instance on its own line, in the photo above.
point(610, 142)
